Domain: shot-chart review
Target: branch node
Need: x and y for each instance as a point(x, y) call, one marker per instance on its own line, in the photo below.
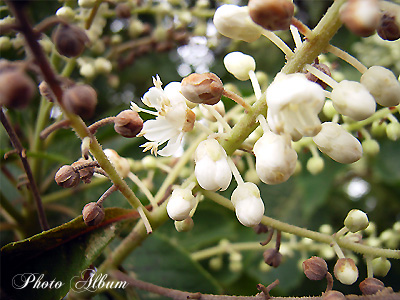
point(194, 296)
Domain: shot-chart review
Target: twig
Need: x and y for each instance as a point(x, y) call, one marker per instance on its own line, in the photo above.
point(57, 125)
point(22, 154)
point(267, 289)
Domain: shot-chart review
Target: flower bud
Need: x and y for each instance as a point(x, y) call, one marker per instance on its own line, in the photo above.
point(102, 65)
point(81, 100)
point(356, 220)
point(323, 68)
point(212, 169)
point(361, 16)
point(204, 88)
point(239, 65)
point(333, 295)
point(234, 22)
point(315, 165)
point(352, 99)
point(338, 144)
point(180, 204)
point(383, 85)
point(370, 286)
point(370, 147)
point(128, 123)
point(93, 214)
point(16, 88)
point(315, 268)
point(184, 225)
point(272, 14)
point(389, 27)
point(69, 40)
point(121, 164)
point(67, 177)
point(393, 131)
point(85, 174)
point(345, 271)
point(66, 13)
point(275, 158)
point(123, 10)
point(272, 257)
point(381, 266)
point(248, 204)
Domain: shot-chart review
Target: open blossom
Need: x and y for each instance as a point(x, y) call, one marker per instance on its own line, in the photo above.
point(275, 158)
point(293, 105)
point(248, 204)
point(173, 120)
point(212, 169)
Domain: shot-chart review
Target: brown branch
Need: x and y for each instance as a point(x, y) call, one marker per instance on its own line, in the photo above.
point(57, 125)
point(32, 184)
point(386, 294)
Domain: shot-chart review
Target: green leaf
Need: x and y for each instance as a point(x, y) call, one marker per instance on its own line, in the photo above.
point(163, 263)
point(59, 254)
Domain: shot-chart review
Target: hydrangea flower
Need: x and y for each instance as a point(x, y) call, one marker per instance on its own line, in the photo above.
point(293, 105)
point(173, 120)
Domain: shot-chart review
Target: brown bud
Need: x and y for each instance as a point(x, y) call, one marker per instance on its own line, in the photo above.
point(272, 257)
point(85, 174)
point(322, 67)
point(333, 295)
point(16, 89)
point(69, 40)
point(67, 177)
point(272, 14)
point(315, 268)
point(204, 88)
point(123, 10)
point(80, 100)
point(361, 16)
point(260, 228)
point(370, 286)
point(389, 28)
point(128, 123)
point(93, 214)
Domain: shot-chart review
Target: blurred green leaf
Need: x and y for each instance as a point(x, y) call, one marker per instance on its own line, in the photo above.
point(59, 253)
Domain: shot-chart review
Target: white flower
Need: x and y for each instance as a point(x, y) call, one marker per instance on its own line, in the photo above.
point(383, 85)
point(173, 120)
point(234, 22)
point(293, 105)
point(275, 158)
point(180, 204)
point(212, 169)
point(248, 204)
point(239, 64)
point(338, 144)
point(352, 99)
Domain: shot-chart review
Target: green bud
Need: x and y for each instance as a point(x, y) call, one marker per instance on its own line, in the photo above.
point(370, 147)
point(393, 131)
point(380, 266)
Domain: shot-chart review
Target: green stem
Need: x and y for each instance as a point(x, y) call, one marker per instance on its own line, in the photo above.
point(316, 236)
point(11, 211)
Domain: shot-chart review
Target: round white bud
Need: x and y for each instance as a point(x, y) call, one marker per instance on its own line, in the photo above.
point(393, 131)
point(180, 204)
point(338, 144)
point(102, 65)
point(352, 99)
point(315, 165)
point(345, 271)
point(383, 85)
point(356, 220)
point(380, 266)
point(87, 70)
point(239, 64)
point(234, 22)
point(66, 13)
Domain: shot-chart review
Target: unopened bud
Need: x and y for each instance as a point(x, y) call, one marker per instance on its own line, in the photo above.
point(380, 266)
point(361, 16)
point(356, 220)
point(389, 27)
point(67, 177)
point(272, 257)
point(370, 286)
point(16, 89)
point(128, 123)
point(93, 214)
point(272, 14)
point(80, 100)
point(70, 40)
point(333, 295)
point(239, 65)
point(322, 67)
point(85, 174)
point(345, 271)
point(393, 131)
point(370, 147)
point(204, 88)
point(315, 268)
point(184, 225)
point(123, 10)
point(315, 165)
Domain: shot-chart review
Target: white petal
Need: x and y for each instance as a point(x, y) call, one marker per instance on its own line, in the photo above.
point(223, 174)
point(159, 130)
point(173, 146)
